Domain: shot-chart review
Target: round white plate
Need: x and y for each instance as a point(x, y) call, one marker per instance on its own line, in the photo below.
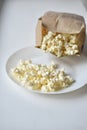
point(76, 66)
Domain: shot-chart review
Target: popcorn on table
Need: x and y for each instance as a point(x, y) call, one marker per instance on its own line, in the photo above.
point(46, 78)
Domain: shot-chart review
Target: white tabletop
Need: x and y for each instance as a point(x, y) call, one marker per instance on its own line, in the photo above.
point(19, 108)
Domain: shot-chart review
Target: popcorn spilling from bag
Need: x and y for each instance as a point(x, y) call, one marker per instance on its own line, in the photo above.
point(60, 44)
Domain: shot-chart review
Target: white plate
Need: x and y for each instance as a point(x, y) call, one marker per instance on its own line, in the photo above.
point(75, 66)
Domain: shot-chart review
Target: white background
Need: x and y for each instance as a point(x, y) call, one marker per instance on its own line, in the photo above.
point(20, 109)
point(85, 3)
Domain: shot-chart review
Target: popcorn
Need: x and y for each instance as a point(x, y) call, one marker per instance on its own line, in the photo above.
point(45, 78)
point(60, 44)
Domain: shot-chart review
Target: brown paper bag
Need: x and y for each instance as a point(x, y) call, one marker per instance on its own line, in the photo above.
point(61, 23)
